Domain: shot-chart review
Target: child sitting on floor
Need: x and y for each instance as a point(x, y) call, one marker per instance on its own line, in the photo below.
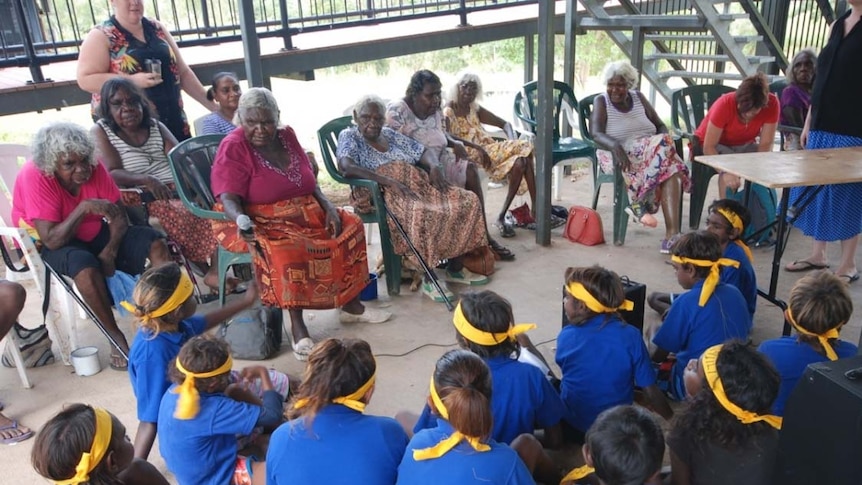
point(602, 357)
point(726, 434)
point(625, 446)
point(523, 399)
point(727, 220)
point(328, 425)
point(459, 449)
point(82, 444)
point(202, 413)
point(709, 314)
point(819, 306)
point(164, 306)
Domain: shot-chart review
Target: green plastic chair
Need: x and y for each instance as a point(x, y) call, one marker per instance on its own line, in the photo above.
point(689, 106)
point(191, 163)
point(327, 136)
point(621, 196)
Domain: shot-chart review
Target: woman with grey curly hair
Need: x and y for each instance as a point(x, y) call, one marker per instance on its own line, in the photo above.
point(634, 140)
point(70, 204)
point(510, 159)
point(308, 254)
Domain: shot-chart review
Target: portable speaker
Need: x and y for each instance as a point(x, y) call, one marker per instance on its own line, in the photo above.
point(635, 292)
point(821, 438)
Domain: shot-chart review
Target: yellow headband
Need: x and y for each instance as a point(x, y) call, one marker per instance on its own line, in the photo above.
point(823, 338)
point(351, 401)
point(578, 291)
point(709, 361)
point(181, 293)
point(101, 441)
point(189, 402)
point(577, 474)
point(473, 334)
point(736, 222)
point(714, 273)
point(446, 445)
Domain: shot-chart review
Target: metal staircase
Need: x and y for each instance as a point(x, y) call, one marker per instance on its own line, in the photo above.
point(695, 42)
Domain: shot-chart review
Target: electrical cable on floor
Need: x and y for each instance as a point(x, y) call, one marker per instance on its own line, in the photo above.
point(444, 346)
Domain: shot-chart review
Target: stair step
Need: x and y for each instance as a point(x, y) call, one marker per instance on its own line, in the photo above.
point(655, 22)
point(703, 57)
point(725, 76)
point(741, 39)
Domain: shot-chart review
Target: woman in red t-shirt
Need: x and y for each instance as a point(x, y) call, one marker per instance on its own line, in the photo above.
point(734, 123)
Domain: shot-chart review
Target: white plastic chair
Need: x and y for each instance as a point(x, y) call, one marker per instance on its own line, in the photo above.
point(62, 309)
point(14, 348)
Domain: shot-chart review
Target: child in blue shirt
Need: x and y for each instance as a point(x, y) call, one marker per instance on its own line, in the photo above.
point(93, 437)
point(709, 314)
point(460, 449)
point(625, 445)
point(202, 413)
point(727, 220)
point(819, 306)
point(165, 309)
point(523, 399)
point(329, 439)
point(602, 357)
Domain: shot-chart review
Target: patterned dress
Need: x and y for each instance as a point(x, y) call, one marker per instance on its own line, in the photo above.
point(128, 55)
point(192, 233)
point(441, 225)
point(653, 156)
point(503, 153)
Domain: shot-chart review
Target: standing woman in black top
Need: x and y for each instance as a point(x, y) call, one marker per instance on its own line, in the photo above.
point(131, 45)
point(832, 122)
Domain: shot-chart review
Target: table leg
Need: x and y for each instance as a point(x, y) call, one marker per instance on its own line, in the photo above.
point(782, 233)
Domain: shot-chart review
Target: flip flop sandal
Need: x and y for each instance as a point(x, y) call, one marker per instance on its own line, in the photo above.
point(302, 348)
point(557, 221)
point(501, 251)
point(14, 439)
point(803, 265)
point(848, 278)
point(117, 367)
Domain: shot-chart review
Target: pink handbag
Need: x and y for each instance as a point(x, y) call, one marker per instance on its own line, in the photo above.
point(584, 226)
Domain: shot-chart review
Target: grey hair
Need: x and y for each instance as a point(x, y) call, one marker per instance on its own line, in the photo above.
point(807, 53)
point(368, 100)
point(58, 140)
point(258, 98)
point(622, 69)
point(465, 76)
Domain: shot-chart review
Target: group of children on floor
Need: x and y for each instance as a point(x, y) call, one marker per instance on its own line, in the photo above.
point(485, 400)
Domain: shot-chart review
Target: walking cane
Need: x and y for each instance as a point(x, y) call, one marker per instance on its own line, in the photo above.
point(428, 271)
point(87, 309)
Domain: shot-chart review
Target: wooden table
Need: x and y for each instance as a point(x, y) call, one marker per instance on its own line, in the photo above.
point(782, 170)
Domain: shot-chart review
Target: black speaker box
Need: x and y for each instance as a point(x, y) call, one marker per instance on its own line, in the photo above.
point(821, 439)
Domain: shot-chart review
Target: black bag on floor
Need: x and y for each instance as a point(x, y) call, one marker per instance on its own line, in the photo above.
point(253, 334)
point(635, 292)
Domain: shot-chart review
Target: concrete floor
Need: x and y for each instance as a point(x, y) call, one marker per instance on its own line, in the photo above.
point(421, 330)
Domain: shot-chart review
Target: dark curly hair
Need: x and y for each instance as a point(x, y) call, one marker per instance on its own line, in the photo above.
point(604, 284)
point(698, 245)
point(65, 437)
point(626, 444)
point(110, 88)
point(419, 80)
point(733, 206)
point(203, 353)
point(750, 381)
point(488, 312)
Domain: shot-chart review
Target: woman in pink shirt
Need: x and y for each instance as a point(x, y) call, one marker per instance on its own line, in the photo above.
point(738, 122)
point(71, 206)
point(307, 254)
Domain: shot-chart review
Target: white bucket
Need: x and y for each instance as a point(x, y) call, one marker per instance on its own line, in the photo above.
point(86, 361)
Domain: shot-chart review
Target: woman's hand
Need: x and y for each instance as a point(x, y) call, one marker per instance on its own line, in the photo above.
point(145, 79)
point(251, 293)
point(333, 221)
point(107, 258)
point(159, 190)
point(460, 151)
point(245, 228)
point(104, 208)
point(621, 158)
point(733, 181)
point(486, 159)
point(438, 179)
point(399, 189)
point(252, 373)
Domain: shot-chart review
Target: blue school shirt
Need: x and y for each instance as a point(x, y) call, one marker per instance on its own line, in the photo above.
point(203, 450)
point(462, 465)
point(149, 359)
point(743, 278)
point(522, 401)
point(790, 358)
point(602, 360)
point(367, 449)
point(689, 329)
